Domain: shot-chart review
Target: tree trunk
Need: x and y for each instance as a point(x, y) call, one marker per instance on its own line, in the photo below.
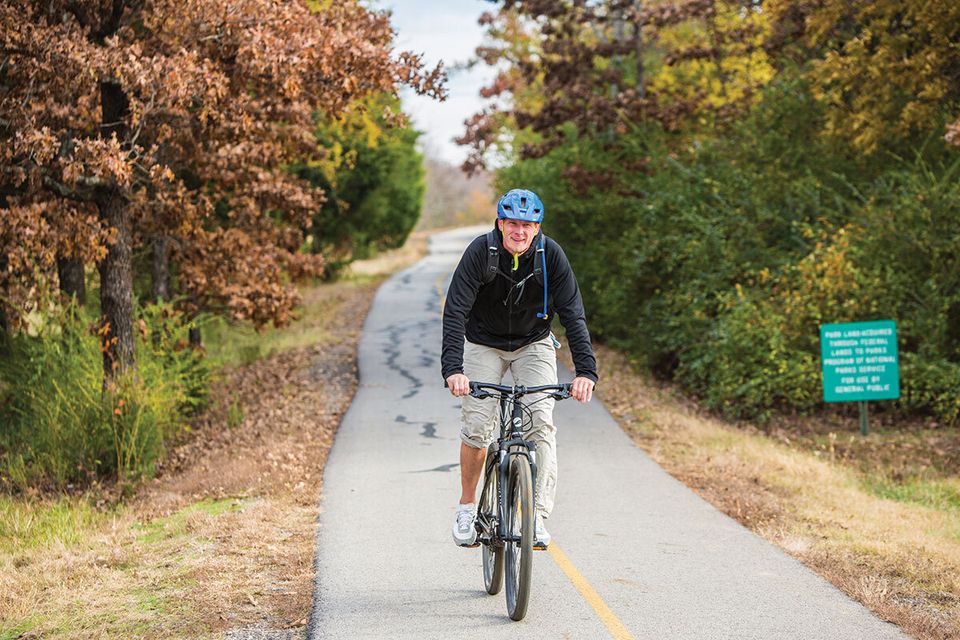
point(161, 268)
point(72, 283)
point(4, 327)
point(116, 269)
point(116, 286)
point(638, 46)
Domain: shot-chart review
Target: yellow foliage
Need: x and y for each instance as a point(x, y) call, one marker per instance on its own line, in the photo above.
point(355, 127)
point(739, 66)
point(826, 285)
point(886, 66)
point(318, 6)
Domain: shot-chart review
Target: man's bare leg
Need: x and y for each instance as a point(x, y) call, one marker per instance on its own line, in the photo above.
point(471, 466)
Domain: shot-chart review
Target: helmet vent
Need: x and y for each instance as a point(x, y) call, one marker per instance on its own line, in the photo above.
point(520, 204)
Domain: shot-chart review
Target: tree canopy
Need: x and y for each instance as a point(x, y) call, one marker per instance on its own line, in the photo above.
point(884, 72)
point(373, 178)
point(171, 125)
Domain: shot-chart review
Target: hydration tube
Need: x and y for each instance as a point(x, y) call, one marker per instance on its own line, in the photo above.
point(543, 257)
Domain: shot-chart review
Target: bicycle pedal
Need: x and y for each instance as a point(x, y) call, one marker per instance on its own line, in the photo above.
point(540, 547)
point(469, 546)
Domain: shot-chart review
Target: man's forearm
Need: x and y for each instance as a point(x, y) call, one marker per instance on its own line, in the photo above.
point(451, 354)
point(581, 349)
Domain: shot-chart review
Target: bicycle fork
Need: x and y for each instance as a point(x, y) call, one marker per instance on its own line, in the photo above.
point(524, 448)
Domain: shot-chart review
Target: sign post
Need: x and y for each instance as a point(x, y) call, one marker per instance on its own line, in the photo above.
point(860, 363)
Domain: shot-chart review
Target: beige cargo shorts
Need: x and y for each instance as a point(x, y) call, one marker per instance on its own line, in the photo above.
point(532, 365)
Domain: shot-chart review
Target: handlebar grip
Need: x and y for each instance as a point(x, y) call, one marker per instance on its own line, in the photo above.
point(561, 395)
point(477, 392)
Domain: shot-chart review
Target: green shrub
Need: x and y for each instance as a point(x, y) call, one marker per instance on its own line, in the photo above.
point(374, 195)
point(164, 343)
point(61, 426)
point(931, 385)
point(746, 366)
point(51, 406)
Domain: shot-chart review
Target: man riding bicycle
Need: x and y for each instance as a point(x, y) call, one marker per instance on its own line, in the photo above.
point(501, 301)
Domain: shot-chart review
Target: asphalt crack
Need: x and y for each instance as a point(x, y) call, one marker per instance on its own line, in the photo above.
point(429, 428)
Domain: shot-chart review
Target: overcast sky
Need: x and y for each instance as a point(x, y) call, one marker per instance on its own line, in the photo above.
point(444, 30)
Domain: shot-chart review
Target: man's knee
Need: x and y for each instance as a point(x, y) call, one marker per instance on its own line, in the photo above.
point(474, 441)
point(477, 422)
point(542, 426)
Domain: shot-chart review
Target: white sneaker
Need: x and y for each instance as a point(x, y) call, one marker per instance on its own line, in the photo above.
point(541, 535)
point(464, 533)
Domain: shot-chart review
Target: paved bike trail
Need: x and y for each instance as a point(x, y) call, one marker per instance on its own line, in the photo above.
point(654, 559)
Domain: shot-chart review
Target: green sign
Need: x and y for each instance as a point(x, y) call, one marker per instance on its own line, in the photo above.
point(860, 361)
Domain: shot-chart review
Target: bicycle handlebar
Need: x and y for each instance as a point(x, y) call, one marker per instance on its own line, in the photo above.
point(483, 389)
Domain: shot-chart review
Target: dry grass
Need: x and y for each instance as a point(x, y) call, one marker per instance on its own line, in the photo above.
point(900, 559)
point(392, 261)
point(192, 574)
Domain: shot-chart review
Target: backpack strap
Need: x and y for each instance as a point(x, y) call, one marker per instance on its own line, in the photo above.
point(493, 256)
point(540, 261)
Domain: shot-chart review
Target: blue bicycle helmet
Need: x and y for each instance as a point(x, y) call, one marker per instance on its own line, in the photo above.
point(520, 204)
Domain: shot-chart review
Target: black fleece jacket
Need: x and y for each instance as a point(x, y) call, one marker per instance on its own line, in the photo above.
point(503, 315)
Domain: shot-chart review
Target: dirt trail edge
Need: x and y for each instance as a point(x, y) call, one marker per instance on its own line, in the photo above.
point(659, 561)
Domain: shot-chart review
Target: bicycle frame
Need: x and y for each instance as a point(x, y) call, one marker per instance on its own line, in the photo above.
point(510, 443)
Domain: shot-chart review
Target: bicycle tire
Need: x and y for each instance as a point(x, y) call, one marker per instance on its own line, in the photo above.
point(518, 556)
point(492, 554)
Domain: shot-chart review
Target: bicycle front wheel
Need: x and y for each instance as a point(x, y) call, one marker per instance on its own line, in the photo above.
point(492, 551)
point(518, 552)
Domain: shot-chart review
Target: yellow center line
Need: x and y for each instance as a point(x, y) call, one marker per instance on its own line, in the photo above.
point(616, 628)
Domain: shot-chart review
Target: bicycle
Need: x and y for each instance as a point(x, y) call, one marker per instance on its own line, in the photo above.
point(505, 519)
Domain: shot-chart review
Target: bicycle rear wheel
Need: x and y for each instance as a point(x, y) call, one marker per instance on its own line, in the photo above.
point(519, 553)
point(492, 553)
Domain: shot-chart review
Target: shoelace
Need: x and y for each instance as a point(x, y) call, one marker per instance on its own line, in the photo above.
point(464, 519)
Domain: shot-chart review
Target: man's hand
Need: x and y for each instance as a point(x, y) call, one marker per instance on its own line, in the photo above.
point(582, 389)
point(459, 384)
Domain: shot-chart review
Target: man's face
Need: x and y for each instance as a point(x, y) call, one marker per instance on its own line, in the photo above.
point(518, 234)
